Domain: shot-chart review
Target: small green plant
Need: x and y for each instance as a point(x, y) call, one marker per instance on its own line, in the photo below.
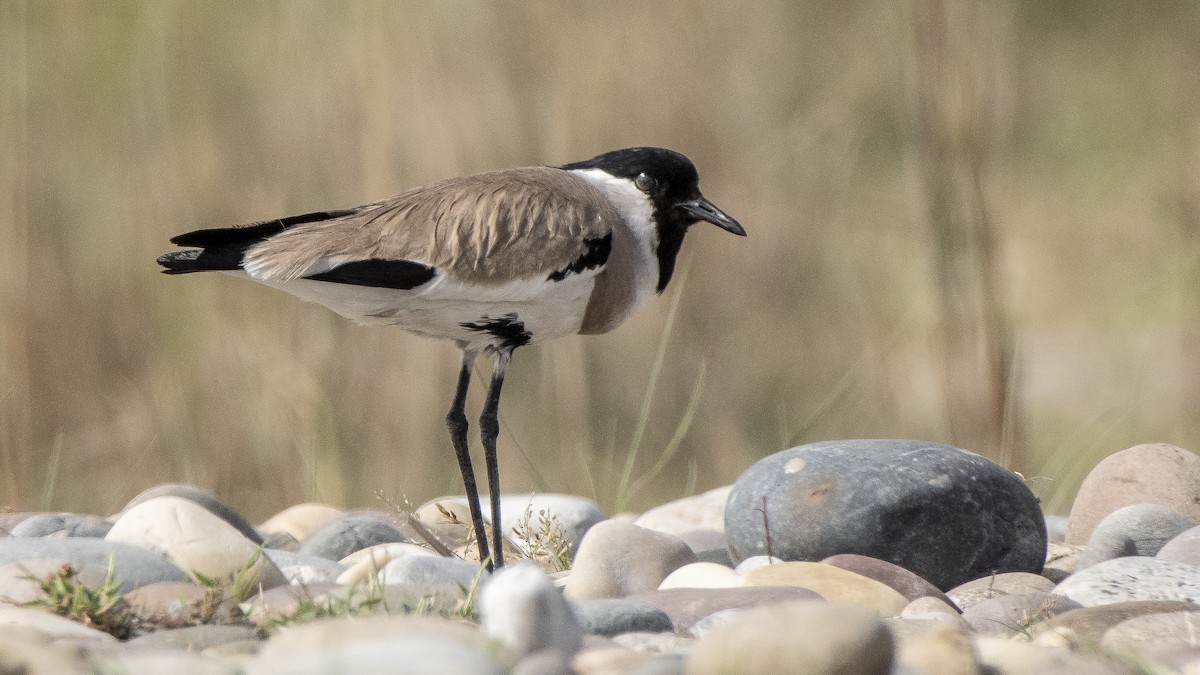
point(545, 544)
point(357, 600)
point(104, 608)
point(462, 608)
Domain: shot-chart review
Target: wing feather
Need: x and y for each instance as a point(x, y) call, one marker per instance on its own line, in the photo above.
point(487, 229)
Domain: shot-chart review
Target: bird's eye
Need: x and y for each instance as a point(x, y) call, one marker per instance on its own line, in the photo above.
point(645, 182)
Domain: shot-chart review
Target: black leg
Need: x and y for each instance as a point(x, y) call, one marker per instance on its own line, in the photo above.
point(456, 421)
point(489, 430)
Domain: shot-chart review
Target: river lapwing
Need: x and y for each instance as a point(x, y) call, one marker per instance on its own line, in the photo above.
point(491, 262)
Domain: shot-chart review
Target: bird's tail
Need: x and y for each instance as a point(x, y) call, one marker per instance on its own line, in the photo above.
point(221, 258)
point(222, 248)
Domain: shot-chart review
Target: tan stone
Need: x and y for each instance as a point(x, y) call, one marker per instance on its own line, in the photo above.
point(941, 650)
point(1152, 473)
point(301, 520)
point(832, 583)
point(701, 575)
point(804, 637)
point(617, 559)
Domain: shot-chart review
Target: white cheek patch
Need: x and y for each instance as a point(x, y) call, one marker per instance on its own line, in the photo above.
point(633, 204)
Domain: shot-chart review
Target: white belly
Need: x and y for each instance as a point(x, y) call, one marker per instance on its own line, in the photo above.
point(452, 311)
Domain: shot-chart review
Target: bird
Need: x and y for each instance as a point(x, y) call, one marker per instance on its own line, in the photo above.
point(490, 262)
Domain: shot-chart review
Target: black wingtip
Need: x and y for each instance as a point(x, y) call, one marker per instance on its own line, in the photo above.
point(178, 261)
point(196, 260)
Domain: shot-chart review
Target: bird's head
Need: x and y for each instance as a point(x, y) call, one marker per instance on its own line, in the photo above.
point(668, 182)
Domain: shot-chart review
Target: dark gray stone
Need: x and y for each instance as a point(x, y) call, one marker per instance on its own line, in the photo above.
point(1140, 529)
point(134, 567)
point(614, 616)
point(63, 525)
point(347, 535)
point(945, 514)
point(205, 499)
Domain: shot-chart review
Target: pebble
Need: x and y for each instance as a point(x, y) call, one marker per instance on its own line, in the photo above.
point(1009, 583)
point(194, 539)
point(424, 655)
point(1088, 625)
point(1132, 578)
point(61, 525)
point(922, 608)
point(1140, 529)
point(940, 649)
point(904, 582)
point(171, 602)
point(132, 566)
point(1012, 657)
point(1172, 658)
point(1061, 561)
point(449, 519)
point(339, 538)
point(24, 650)
point(1138, 633)
point(606, 660)
point(205, 499)
point(1184, 547)
point(708, 545)
point(304, 569)
point(195, 638)
point(164, 662)
point(655, 643)
point(617, 559)
point(704, 511)
point(703, 626)
point(687, 606)
point(1015, 615)
point(430, 570)
point(755, 562)
point(831, 583)
point(301, 520)
point(1154, 473)
point(521, 609)
point(667, 663)
point(896, 500)
point(701, 575)
point(614, 616)
point(838, 638)
point(362, 566)
point(308, 639)
point(52, 626)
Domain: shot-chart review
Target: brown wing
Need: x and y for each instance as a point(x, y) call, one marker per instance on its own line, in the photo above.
point(487, 229)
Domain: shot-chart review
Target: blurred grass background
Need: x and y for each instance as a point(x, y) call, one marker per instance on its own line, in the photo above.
point(970, 222)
